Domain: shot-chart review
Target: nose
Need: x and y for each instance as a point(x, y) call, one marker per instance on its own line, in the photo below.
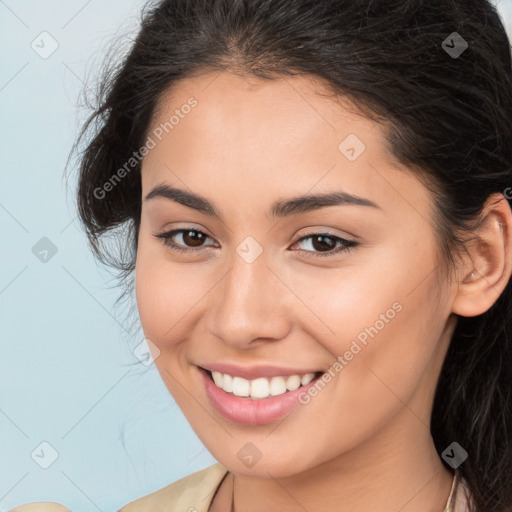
point(250, 305)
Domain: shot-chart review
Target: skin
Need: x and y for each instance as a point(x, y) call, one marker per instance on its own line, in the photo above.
point(363, 443)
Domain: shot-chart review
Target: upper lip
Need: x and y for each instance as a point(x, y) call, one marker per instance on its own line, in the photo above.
point(255, 372)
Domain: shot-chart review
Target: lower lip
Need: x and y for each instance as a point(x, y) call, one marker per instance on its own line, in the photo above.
point(246, 411)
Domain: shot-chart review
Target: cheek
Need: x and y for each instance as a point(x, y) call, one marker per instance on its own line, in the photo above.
point(165, 296)
point(161, 291)
point(381, 318)
point(383, 343)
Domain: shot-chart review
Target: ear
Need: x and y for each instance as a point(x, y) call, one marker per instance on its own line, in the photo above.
point(487, 268)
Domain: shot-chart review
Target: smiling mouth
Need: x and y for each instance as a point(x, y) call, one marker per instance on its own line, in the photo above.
point(262, 387)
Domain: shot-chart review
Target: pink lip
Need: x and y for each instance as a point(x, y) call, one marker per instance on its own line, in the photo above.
point(246, 411)
point(255, 372)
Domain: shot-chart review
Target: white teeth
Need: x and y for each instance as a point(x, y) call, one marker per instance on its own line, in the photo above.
point(240, 386)
point(277, 386)
point(306, 379)
point(261, 387)
point(292, 382)
point(228, 383)
point(218, 379)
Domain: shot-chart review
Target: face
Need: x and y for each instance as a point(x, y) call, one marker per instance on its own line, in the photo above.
point(265, 288)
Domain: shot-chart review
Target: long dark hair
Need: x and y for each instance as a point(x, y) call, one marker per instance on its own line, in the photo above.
point(447, 114)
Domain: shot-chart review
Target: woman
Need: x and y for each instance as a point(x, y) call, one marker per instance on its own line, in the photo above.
point(317, 197)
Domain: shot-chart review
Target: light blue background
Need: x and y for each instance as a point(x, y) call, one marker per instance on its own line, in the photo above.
point(67, 373)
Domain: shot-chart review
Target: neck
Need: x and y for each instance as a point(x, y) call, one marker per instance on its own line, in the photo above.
point(406, 475)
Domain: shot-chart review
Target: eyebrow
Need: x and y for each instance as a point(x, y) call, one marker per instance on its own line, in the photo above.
point(282, 208)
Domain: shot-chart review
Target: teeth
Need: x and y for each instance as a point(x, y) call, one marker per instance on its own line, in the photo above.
point(227, 384)
point(277, 386)
point(306, 379)
point(240, 386)
point(292, 382)
point(218, 378)
point(261, 387)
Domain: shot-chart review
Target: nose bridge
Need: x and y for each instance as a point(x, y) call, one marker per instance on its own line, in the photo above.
point(248, 303)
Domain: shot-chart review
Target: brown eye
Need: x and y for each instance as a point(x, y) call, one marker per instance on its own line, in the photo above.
point(324, 244)
point(191, 238)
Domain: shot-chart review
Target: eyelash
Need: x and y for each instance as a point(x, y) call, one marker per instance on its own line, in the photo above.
point(346, 247)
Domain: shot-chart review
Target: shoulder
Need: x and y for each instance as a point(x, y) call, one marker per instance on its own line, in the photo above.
point(191, 493)
point(41, 506)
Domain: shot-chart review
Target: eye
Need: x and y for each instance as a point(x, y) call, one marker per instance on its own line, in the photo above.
point(325, 243)
point(189, 235)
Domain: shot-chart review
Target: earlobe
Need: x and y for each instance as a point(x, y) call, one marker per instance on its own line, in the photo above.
point(488, 268)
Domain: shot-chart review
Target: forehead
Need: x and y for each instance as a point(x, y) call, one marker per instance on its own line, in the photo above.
point(251, 134)
point(281, 110)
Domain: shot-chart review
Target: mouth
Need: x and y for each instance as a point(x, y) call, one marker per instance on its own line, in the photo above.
point(258, 401)
point(261, 387)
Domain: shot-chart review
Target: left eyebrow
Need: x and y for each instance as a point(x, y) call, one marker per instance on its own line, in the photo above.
point(303, 204)
point(283, 208)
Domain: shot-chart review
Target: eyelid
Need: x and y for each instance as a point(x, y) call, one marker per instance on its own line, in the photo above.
point(310, 230)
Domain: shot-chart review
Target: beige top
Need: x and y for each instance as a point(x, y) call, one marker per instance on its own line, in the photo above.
point(41, 506)
point(195, 492)
point(192, 493)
